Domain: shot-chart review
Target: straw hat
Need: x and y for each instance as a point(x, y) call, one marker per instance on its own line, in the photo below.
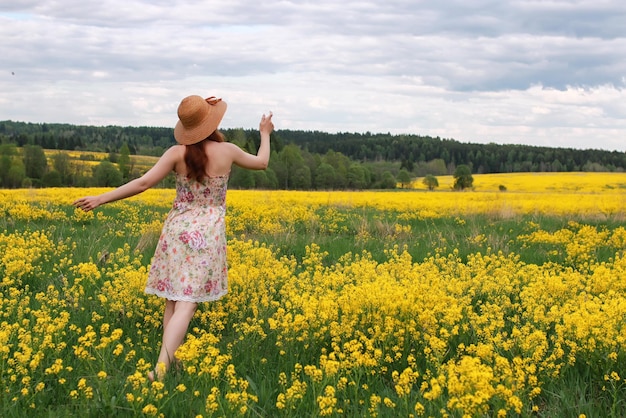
point(198, 118)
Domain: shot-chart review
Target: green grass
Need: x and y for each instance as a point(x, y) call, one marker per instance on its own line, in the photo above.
point(468, 235)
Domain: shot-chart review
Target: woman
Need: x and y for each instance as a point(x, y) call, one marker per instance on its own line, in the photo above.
point(189, 264)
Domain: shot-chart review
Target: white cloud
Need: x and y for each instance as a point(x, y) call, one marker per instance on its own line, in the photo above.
point(512, 71)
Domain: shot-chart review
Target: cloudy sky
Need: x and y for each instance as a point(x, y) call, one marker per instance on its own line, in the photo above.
point(539, 72)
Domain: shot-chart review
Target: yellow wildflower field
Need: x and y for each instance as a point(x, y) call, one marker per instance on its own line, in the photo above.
point(578, 182)
point(86, 160)
point(474, 326)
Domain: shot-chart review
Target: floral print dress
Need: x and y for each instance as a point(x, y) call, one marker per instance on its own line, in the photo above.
point(189, 263)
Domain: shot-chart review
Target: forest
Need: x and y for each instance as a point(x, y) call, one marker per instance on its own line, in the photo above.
point(304, 160)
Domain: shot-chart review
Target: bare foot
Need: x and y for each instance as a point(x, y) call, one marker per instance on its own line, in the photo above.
point(158, 373)
point(155, 375)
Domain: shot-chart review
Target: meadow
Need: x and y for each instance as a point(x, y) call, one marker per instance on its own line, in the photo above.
point(406, 303)
point(81, 161)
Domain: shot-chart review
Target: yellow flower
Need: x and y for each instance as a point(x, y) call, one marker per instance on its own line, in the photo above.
point(150, 410)
point(118, 350)
point(280, 401)
point(327, 401)
point(157, 385)
point(389, 403)
point(211, 401)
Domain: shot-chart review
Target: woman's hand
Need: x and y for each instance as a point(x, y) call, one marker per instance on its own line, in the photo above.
point(88, 203)
point(266, 126)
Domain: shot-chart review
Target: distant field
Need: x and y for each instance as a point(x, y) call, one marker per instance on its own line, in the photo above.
point(91, 158)
point(540, 182)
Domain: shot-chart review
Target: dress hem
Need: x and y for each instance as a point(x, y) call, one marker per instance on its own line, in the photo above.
point(210, 298)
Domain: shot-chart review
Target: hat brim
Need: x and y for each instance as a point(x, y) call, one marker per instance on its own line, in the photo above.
point(204, 129)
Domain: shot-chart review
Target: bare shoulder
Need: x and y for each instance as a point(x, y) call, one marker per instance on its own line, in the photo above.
point(224, 147)
point(174, 157)
point(175, 150)
point(174, 153)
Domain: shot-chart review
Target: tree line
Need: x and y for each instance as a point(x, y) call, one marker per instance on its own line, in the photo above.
point(415, 151)
point(300, 159)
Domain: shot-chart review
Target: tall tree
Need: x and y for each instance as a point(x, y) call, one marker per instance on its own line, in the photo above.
point(388, 181)
point(51, 179)
point(265, 179)
point(61, 164)
point(16, 175)
point(356, 177)
point(404, 178)
point(291, 160)
point(463, 177)
point(106, 174)
point(431, 182)
point(301, 178)
point(123, 162)
point(35, 162)
point(324, 176)
point(340, 163)
point(7, 154)
point(237, 137)
point(5, 166)
point(241, 179)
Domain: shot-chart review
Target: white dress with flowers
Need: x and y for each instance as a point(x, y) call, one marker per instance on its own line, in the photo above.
point(189, 263)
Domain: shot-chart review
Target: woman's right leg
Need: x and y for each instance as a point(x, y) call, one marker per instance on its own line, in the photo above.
point(176, 319)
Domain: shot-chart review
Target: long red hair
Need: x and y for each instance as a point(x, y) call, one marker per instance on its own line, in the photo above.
point(196, 158)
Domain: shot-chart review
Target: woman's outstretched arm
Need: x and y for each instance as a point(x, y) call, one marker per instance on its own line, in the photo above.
point(162, 168)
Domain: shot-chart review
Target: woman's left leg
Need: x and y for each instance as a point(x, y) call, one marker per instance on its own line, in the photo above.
point(168, 312)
